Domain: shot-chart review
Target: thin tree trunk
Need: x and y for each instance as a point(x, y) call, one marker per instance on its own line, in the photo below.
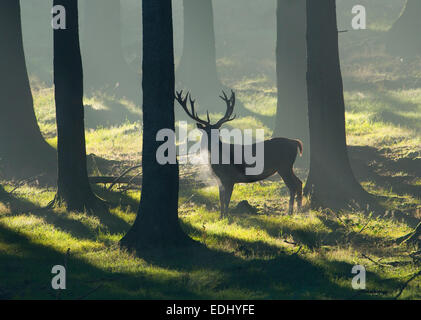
point(23, 151)
point(74, 189)
point(197, 68)
point(291, 55)
point(331, 182)
point(157, 222)
point(403, 38)
point(105, 66)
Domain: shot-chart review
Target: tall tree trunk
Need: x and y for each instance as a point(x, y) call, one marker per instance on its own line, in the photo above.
point(331, 182)
point(74, 189)
point(23, 151)
point(105, 66)
point(403, 38)
point(291, 55)
point(197, 68)
point(157, 222)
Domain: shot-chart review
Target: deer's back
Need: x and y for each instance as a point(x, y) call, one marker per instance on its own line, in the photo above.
point(279, 155)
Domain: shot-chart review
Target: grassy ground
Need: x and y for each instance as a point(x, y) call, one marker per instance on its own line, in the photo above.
point(267, 255)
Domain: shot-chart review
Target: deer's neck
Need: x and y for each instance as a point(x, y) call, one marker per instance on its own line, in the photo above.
point(211, 141)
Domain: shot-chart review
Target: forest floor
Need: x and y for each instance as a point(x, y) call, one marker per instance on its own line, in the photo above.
point(262, 255)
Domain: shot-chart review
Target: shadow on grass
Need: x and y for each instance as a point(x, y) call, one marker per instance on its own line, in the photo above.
point(254, 270)
point(313, 239)
point(250, 269)
point(199, 199)
point(25, 273)
point(390, 105)
point(405, 83)
point(62, 221)
point(369, 162)
point(275, 275)
point(115, 114)
point(390, 116)
point(116, 199)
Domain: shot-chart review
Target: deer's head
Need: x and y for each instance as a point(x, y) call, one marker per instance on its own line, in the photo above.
point(206, 125)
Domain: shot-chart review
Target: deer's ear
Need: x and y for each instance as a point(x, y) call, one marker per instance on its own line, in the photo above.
point(199, 126)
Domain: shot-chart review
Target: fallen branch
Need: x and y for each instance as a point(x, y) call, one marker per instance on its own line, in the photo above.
point(407, 283)
point(25, 181)
point(365, 226)
point(360, 292)
point(416, 256)
point(131, 180)
point(298, 251)
point(89, 292)
point(339, 219)
point(289, 242)
point(411, 237)
point(111, 179)
point(375, 262)
point(116, 180)
point(187, 201)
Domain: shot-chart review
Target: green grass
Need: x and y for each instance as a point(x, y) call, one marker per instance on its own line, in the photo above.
point(270, 255)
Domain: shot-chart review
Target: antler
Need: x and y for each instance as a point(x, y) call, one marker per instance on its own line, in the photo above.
point(230, 108)
point(183, 102)
point(192, 114)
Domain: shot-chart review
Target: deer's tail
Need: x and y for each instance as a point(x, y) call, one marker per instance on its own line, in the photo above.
point(299, 146)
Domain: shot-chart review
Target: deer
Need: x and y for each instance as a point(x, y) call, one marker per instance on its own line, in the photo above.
point(279, 156)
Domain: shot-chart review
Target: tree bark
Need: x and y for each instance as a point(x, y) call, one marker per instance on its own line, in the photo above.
point(403, 38)
point(331, 182)
point(74, 189)
point(23, 151)
point(197, 68)
point(105, 66)
point(291, 68)
point(157, 222)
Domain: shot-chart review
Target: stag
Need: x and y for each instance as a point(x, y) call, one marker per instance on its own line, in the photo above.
point(279, 156)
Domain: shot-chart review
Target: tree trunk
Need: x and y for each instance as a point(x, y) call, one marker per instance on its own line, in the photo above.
point(105, 66)
point(403, 38)
point(331, 182)
point(291, 55)
point(73, 186)
point(197, 68)
point(157, 222)
point(23, 151)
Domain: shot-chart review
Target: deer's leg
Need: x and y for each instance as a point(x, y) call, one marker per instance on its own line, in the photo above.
point(299, 191)
point(291, 185)
point(228, 193)
point(222, 200)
